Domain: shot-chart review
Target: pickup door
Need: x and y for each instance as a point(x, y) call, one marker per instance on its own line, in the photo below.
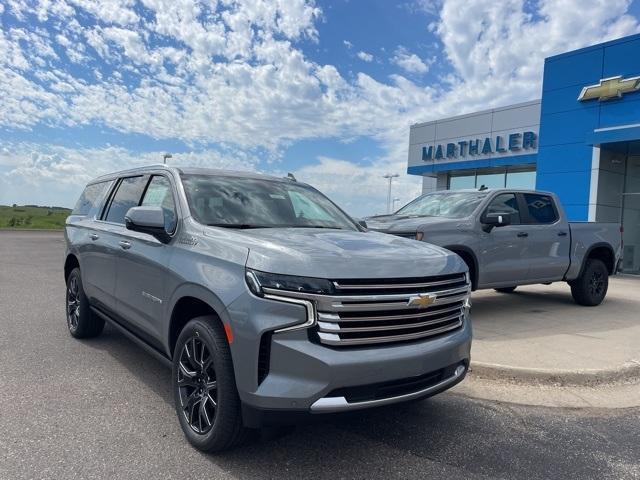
point(548, 235)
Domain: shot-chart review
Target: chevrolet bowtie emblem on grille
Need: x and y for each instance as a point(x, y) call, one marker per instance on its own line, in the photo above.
point(609, 88)
point(421, 301)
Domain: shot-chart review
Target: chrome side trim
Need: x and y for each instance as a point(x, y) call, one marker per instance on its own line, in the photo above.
point(309, 307)
point(340, 404)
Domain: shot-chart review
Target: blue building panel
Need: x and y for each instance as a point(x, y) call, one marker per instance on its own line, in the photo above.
point(572, 188)
point(623, 111)
point(619, 58)
point(573, 70)
point(567, 127)
point(575, 157)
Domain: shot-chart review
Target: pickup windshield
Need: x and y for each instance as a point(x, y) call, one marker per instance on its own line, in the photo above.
point(241, 202)
point(443, 204)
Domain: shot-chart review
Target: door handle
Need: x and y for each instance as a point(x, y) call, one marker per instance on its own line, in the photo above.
point(562, 234)
point(94, 236)
point(124, 244)
point(522, 234)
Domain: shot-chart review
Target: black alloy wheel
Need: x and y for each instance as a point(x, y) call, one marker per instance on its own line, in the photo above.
point(73, 303)
point(197, 385)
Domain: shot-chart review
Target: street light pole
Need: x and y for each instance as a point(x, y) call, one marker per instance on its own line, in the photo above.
point(165, 156)
point(390, 177)
point(393, 208)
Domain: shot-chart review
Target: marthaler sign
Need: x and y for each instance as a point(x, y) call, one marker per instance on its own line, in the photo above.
point(487, 146)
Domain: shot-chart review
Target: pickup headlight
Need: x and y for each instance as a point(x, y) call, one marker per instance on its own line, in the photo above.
point(257, 281)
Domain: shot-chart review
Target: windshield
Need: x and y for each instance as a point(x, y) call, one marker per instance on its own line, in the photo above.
point(240, 202)
point(443, 204)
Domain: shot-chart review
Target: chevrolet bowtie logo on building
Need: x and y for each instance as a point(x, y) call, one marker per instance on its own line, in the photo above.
point(421, 301)
point(609, 88)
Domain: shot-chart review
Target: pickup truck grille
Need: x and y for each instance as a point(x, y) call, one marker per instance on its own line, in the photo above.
point(365, 312)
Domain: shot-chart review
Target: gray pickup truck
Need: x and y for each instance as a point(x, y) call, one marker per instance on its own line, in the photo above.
point(267, 300)
point(512, 237)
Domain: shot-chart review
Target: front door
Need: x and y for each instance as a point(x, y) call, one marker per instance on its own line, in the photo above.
point(142, 265)
point(504, 259)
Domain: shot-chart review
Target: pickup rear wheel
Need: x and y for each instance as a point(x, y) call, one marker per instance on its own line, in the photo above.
point(506, 289)
point(204, 386)
point(82, 322)
point(591, 286)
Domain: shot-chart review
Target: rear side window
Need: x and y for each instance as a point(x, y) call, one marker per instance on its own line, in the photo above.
point(505, 203)
point(541, 208)
point(89, 201)
point(127, 196)
point(159, 194)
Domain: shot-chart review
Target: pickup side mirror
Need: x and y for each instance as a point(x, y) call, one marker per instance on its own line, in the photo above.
point(492, 220)
point(147, 220)
point(362, 223)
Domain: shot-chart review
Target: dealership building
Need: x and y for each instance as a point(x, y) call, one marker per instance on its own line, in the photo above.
point(581, 140)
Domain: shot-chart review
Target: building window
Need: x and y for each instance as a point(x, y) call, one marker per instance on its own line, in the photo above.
point(493, 178)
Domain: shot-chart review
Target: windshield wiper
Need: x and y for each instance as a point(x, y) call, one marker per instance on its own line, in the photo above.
point(237, 225)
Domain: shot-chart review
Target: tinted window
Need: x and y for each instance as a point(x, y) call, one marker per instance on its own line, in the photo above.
point(541, 209)
point(505, 203)
point(89, 201)
point(159, 194)
point(239, 202)
point(127, 196)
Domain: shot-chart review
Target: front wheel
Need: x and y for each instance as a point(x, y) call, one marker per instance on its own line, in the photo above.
point(591, 286)
point(205, 394)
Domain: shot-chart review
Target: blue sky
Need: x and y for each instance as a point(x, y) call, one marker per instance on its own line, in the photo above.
point(324, 89)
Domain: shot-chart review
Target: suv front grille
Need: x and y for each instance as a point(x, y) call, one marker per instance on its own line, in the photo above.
point(366, 312)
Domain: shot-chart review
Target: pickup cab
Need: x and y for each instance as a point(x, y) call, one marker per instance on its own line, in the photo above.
point(512, 237)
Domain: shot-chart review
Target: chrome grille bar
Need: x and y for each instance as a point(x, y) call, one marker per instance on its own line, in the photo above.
point(335, 328)
point(392, 286)
point(332, 317)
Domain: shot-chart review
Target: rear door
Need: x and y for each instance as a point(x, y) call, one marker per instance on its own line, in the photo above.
point(142, 265)
point(503, 259)
point(549, 238)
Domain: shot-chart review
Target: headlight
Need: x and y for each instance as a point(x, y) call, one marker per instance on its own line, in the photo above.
point(257, 281)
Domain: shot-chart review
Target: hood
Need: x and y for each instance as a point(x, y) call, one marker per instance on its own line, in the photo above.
point(338, 254)
point(405, 223)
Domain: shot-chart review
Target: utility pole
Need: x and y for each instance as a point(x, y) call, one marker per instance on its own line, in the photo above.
point(390, 177)
point(165, 156)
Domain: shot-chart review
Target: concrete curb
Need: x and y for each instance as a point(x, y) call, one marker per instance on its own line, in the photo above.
point(626, 373)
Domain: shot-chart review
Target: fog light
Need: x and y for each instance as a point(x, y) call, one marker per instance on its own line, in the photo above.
point(460, 370)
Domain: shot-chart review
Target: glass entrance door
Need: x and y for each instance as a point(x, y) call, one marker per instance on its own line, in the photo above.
point(631, 216)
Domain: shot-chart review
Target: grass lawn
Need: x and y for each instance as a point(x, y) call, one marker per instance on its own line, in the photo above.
point(30, 216)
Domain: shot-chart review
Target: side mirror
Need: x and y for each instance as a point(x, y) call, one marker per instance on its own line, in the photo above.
point(492, 220)
point(148, 220)
point(362, 223)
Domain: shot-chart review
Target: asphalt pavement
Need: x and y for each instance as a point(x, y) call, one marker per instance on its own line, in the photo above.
point(103, 409)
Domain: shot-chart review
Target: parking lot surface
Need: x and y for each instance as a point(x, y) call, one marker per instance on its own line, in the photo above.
point(103, 409)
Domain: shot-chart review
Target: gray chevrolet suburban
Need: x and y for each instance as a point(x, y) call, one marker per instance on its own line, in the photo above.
point(267, 300)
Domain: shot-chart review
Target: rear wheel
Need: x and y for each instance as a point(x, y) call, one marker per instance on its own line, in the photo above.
point(82, 322)
point(205, 394)
point(506, 289)
point(591, 286)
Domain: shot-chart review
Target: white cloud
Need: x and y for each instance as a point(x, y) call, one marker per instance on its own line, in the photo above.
point(233, 73)
point(410, 62)
point(347, 43)
point(364, 56)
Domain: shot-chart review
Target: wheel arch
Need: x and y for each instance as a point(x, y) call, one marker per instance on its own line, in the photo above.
point(70, 263)
point(470, 259)
point(601, 251)
point(188, 302)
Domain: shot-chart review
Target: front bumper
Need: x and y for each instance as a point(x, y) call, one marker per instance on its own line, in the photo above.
point(304, 376)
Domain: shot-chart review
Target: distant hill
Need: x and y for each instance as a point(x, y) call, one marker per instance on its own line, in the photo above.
point(32, 216)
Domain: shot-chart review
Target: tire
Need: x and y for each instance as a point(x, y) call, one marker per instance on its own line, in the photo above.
point(205, 381)
point(591, 286)
point(81, 321)
point(506, 289)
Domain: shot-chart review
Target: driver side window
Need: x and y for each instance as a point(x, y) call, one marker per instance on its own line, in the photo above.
point(505, 203)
